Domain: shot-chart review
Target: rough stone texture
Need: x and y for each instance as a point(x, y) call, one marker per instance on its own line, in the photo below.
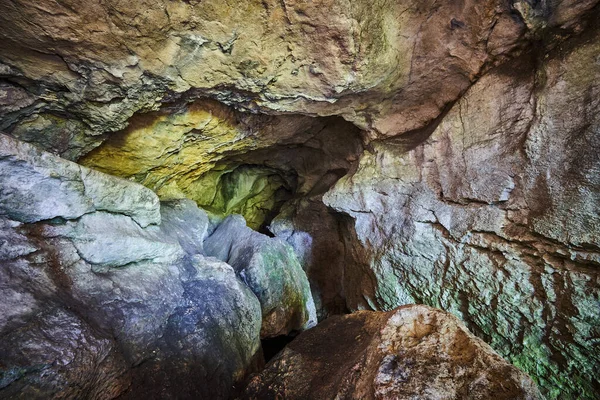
point(256, 192)
point(38, 186)
point(414, 352)
point(55, 354)
point(230, 162)
point(271, 269)
point(317, 236)
point(495, 217)
point(73, 72)
point(169, 150)
point(97, 306)
point(185, 223)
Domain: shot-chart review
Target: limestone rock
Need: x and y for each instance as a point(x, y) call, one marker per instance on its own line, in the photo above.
point(477, 192)
point(37, 186)
point(389, 67)
point(412, 352)
point(184, 222)
point(271, 269)
point(97, 305)
point(230, 162)
point(56, 354)
point(494, 217)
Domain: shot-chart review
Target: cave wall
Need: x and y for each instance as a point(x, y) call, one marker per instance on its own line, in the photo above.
point(495, 216)
point(478, 188)
point(71, 74)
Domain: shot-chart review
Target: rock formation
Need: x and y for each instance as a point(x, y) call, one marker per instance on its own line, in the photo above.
point(495, 217)
point(107, 292)
point(271, 269)
point(443, 153)
point(414, 352)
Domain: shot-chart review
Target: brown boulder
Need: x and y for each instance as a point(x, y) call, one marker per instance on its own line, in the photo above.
point(413, 352)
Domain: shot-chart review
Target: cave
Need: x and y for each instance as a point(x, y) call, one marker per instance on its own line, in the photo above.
point(300, 200)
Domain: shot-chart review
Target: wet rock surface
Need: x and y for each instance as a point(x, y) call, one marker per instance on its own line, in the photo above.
point(412, 352)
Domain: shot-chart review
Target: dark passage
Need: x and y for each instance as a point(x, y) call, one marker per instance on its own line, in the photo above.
point(274, 345)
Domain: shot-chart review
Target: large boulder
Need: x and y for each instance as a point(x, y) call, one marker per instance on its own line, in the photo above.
point(495, 217)
point(271, 269)
point(414, 352)
point(37, 186)
point(100, 301)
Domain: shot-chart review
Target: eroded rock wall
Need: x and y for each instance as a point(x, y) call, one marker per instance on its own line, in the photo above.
point(72, 72)
point(495, 216)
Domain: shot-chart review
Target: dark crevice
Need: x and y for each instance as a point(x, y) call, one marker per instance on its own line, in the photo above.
point(272, 346)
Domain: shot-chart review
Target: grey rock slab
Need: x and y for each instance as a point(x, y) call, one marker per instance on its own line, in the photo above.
point(184, 222)
point(36, 185)
point(108, 240)
point(271, 269)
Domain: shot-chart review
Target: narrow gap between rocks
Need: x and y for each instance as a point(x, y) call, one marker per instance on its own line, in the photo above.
point(272, 346)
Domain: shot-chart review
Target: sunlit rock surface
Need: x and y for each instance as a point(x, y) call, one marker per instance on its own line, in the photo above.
point(98, 303)
point(495, 217)
point(413, 352)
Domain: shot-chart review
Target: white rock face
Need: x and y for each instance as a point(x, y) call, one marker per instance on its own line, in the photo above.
point(37, 186)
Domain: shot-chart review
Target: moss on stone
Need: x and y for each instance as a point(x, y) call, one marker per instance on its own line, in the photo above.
point(255, 192)
point(177, 154)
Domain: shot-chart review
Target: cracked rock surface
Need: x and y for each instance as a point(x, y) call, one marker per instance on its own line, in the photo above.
point(271, 269)
point(495, 217)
